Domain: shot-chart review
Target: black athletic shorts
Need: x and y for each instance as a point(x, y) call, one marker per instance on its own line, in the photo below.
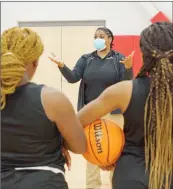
point(29, 179)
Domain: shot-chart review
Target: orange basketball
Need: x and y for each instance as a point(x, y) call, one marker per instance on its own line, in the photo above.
point(105, 141)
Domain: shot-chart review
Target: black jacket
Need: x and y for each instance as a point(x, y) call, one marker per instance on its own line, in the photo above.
point(73, 76)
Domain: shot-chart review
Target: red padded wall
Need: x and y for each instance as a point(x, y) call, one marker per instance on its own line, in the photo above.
point(127, 44)
point(160, 17)
point(123, 44)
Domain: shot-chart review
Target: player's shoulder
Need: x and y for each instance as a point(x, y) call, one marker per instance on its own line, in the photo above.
point(51, 92)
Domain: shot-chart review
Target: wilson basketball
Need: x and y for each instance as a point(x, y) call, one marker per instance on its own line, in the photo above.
point(105, 142)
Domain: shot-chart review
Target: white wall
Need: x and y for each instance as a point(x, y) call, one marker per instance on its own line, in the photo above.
point(122, 18)
point(165, 7)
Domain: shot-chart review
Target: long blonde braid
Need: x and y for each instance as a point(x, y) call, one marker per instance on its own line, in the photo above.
point(19, 47)
point(157, 47)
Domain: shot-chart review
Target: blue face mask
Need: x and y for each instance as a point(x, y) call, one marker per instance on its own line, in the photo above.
point(99, 44)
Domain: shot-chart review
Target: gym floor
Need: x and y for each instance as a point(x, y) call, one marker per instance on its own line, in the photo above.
point(76, 177)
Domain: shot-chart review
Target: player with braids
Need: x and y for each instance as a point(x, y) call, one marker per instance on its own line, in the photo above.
point(147, 105)
point(158, 59)
point(34, 122)
point(18, 47)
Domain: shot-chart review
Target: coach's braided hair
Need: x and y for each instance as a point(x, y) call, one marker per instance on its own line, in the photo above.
point(19, 47)
point(157, 47)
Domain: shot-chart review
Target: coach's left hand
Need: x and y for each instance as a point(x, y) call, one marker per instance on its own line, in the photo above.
point(128, 61)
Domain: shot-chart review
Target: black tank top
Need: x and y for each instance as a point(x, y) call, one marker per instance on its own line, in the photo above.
point(134, 117)
point(28, 137)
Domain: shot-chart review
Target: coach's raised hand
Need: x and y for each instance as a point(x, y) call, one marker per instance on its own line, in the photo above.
point(128, 61)
point(54, 59)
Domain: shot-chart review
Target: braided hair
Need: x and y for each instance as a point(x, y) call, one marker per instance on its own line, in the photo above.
point(19, 47)
point(108, 32)
point(156, 44)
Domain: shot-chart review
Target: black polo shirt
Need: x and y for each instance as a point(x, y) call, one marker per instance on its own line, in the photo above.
point(99, 75)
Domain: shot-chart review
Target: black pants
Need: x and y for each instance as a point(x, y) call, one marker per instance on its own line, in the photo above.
point(130, 173)
point(32, 180)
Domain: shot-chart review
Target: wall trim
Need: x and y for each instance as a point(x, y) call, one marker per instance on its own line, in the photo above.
point(61, 23)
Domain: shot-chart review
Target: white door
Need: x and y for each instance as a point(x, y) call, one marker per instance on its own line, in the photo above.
point(47, 72)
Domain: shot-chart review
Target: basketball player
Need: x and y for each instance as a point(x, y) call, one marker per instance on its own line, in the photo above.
point(35, 119)
point(147, 105)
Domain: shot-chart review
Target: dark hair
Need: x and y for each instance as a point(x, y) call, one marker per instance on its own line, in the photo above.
point(156, 42)
point(157, 47)
point(108, 32)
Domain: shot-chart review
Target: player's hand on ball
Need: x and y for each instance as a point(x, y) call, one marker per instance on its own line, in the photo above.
point(108, 168)
point(67, 157)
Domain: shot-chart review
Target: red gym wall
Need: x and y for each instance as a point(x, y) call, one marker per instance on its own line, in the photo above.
point(127, 44)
